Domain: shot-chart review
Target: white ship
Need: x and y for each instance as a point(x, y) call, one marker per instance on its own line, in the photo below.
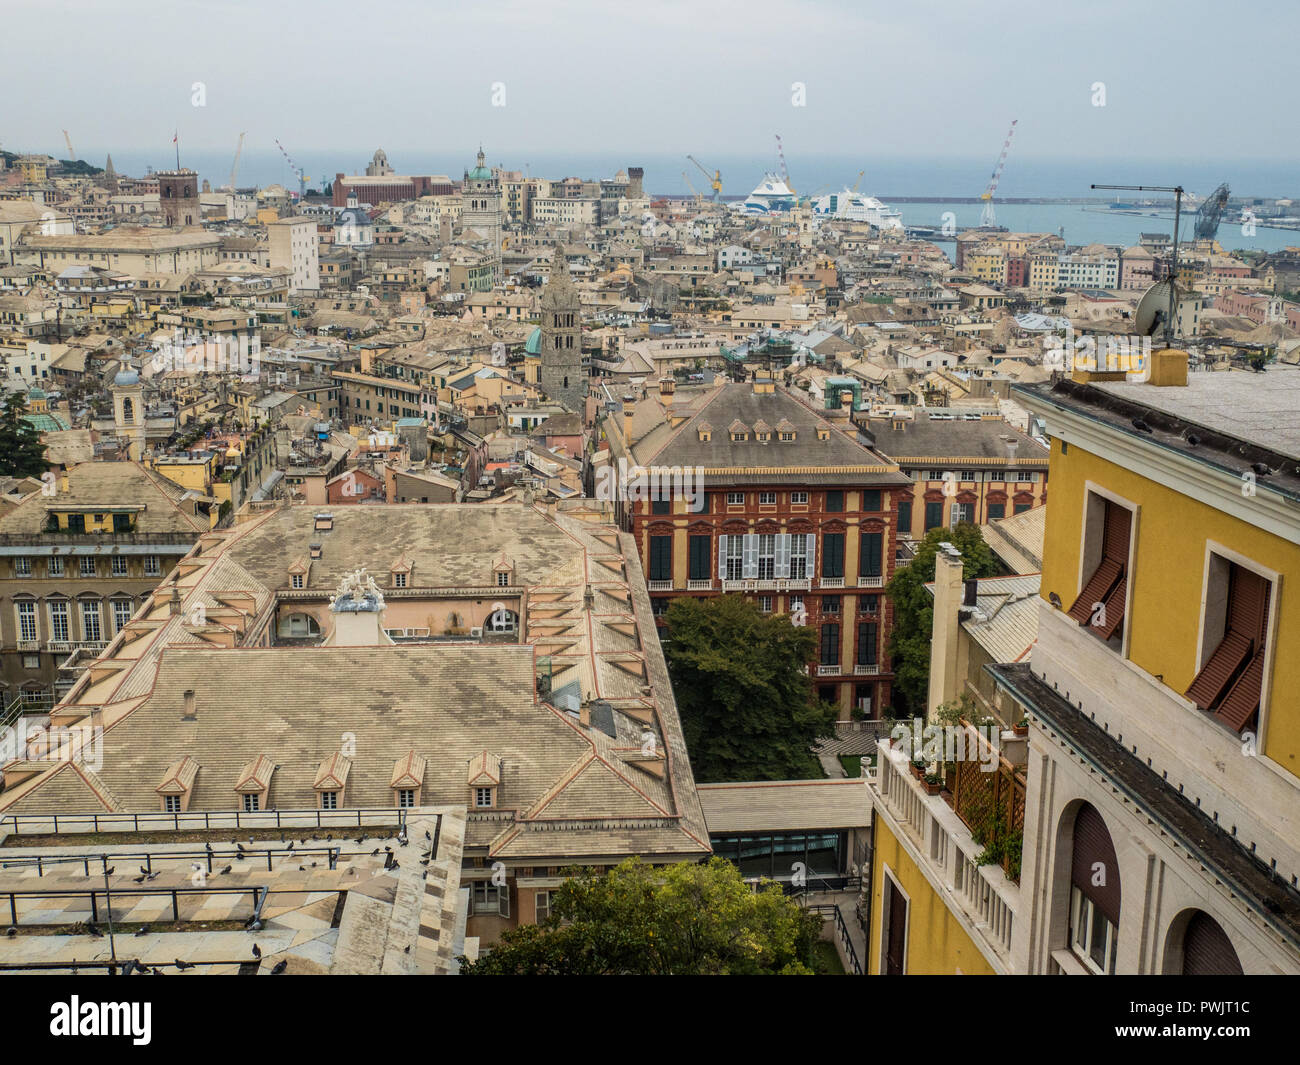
point(855, 207)
point(771, 195)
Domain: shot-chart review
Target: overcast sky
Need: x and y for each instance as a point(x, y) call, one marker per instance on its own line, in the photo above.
point(909, 77)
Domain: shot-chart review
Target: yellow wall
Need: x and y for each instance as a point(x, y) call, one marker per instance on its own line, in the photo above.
point(1169, 571)
point(192, 475)
point(936, 942)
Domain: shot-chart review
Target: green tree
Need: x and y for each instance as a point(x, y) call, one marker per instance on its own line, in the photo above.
point(743, 693)
point(21, 452)
point(909, 642)
point(685, 919)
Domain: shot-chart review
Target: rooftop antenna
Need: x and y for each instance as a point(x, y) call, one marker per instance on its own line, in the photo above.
point(1177, 190)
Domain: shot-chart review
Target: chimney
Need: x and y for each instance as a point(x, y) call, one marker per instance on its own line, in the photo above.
point(968, 592)
point(949, 594)
point(629, 408)
point(174, 604)
point(189, 713)
point(667, 385)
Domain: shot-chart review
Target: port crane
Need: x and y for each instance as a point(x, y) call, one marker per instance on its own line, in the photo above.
point(988, 218)
point(72, 152)
point(302, 178)
point(234, 167)
point(714, 179)
point(785, 174)
point(699, 197)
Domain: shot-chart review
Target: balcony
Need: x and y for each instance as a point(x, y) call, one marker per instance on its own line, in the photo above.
point(976, 891)
point(831, 582)
point(29, 645)
point(833, 670)
point(699, 586)
point(661, 586)
point(866, 669)
point(871, 582)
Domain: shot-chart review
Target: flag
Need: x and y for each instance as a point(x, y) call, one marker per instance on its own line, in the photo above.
point(175, 136)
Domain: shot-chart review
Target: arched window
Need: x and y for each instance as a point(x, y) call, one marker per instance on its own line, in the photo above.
point(1198, 946)
point(128, 411)
point(1094, 892)
point(299, 625)
point(502, 620)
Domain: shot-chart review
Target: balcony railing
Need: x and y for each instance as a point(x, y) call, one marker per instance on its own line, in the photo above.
point(871, 582)
point(29, 645)
point(866, 669)
point(699, 586)
point(661, 586)
point(992, 804)
point(832, 582)
point(832, 670)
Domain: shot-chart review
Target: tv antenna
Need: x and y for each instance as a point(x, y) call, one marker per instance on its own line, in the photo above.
point(1177, 190)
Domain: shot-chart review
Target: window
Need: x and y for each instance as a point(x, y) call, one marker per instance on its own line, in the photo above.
point(735, 499)
point(765, 604)
point(1229, 684)
point(119, 566)
point(767, 497)
point(87, 566)
point(1100, 605)
point(329, 800)
point(997, 511)
point(296, 580)
point(405, 797)
point(252, 802)
point(22, 567)
point(700, 554)
point(1095, 892)
point(962, 512)
point(735, 558)
point(873, 544)
point(543, 906)
point(832, 555)
point(122, 611)
point(661, 506)
point(172, 804)
point(799, 498)
point(399, 580)
point(661, 558)
point(830, 604)
point(835, 501)
point(482, 797)
point(766, 556)
point(502, 620)
point(27, 620)
point(799, 557)
point(933, 515)
point(59, 621)
point(121, 522)
point(830, 649)
point(867, 642)
point(90, 629)
point(871, 501)
point(905, 517)
point(869, 604)
point(54, 568)
point(488, 898)
point(77, 523)
point(1020, 508)
point(152, 567)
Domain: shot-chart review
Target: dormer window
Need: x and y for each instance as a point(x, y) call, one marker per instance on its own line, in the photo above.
point(254, 783)
point(296, 580)
point(503, 580)
point(705, 431)
point(503, 570)
point(483, 778)
point(400, 573)
point(177, 785)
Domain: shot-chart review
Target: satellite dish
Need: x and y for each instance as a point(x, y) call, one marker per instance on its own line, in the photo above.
point(1153, 309)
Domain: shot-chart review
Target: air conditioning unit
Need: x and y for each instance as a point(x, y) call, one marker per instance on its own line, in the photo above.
point(477, 632)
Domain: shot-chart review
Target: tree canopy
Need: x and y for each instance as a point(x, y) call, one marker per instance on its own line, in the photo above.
point(909, 643)
point(684, 919)
point(21, 452)
point(744, 696)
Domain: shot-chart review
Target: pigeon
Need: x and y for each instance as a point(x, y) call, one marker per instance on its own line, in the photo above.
point(374, 852)
point(11, 931)
point(226, 870)
point(181, 966)
point(151, 876)
point(406, 949)
point(280, 967)
point(426, 835)
point(290, 847)
point(144, 871)
point(138, 879)
point(1142, 426)
point(92, 930)
point(109, 871)
point(257, 951)
point(143, 969)
point(1193, 440)
point(302, 868)
point(1261, 469)
point(424, 861)
point(142, 930)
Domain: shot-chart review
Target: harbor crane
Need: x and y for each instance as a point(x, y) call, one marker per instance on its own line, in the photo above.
point(988, 218)
point(1211, 213)
point(859, 181)
point(785, 174)
point(302, 178)
point(234, 167)
point(72, 152)
point(699, 197)
point(714, 179)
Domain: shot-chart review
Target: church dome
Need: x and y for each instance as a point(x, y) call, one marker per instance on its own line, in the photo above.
point(534, 344)
point(126, 377)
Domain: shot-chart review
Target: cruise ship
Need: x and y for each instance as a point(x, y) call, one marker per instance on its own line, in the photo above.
point(855, 207)
point(771, 195)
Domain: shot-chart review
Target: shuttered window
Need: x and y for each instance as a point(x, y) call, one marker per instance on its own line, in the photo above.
point(833, 555)
point(905, 518)
point(1207, 951)
point(1100, 605)
point(1230, 683)
point(830, 644)
point(700, 547)
point(867, 642)
point(933, 515)
point(661, 558)
point(1094, 869)
point(872, 550)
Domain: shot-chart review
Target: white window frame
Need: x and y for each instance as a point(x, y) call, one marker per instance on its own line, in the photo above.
point(295, 581)
point(1083, 916)
point(54, 567)
point(735, 499)
point(482, 798)
point(60, 621)
point(22, 566)
point(86, 566)
point(122, 611)
point(152, 566)
point(90, 611)
point(768, 498)
point(27, 626)
point(171, 804)
point(329, 800)
point(117, 567)
point(252, 802)
point(799, 498)
point(405, 798)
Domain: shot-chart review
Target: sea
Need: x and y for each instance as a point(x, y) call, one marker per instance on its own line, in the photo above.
point(887, 178)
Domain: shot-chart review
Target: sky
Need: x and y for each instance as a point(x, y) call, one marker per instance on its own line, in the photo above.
point(932, 78)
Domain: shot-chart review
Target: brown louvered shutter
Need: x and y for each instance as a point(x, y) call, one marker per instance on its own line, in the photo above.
point(1248, 604)
point(1231, 682)
point(1220, 670)
point(1111, 572)
point(1207, 950)
point(1092, 845)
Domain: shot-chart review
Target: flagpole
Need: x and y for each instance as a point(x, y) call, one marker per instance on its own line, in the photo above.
point(176, 140)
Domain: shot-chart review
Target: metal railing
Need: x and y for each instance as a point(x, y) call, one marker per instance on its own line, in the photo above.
point(258, 891)
point(208, 820)
point(842, 930)
point(144, 859)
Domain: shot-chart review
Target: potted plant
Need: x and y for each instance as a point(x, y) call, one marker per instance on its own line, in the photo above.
point(1021, 727)
point(933, 783)
point(918, 767)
